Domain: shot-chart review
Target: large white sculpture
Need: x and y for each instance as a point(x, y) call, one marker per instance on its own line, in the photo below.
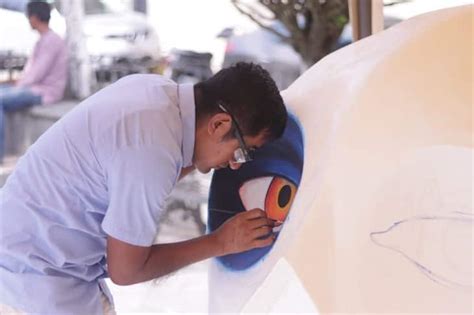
point(383, 218)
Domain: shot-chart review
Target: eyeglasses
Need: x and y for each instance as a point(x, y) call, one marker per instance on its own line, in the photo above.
point(241, 154)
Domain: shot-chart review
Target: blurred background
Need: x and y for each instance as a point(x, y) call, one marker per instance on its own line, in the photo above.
point(187, 41)
point(190, 40)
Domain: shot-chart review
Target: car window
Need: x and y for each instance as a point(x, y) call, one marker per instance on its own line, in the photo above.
point(90, 7)
point(95, 7)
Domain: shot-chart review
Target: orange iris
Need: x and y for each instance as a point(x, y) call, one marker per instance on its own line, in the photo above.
point(279, 197)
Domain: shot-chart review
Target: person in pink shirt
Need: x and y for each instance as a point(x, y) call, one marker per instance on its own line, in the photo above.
point(44, 77)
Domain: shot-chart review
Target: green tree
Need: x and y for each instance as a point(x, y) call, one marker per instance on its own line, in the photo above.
point(314, 25)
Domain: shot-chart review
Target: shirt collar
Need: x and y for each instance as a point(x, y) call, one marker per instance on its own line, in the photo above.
point(188, 120)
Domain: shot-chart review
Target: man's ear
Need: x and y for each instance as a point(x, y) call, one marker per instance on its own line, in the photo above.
point(219, 125)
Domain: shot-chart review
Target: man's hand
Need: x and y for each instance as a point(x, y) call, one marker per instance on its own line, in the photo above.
point(129, 264)
point(245, 231)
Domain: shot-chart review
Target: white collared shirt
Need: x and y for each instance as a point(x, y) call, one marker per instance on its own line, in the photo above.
point(105, 168)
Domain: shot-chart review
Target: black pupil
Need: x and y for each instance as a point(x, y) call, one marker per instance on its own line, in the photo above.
point(284, 196)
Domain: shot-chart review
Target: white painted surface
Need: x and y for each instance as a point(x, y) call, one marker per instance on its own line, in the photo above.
point(383, 218)
point(384, 215)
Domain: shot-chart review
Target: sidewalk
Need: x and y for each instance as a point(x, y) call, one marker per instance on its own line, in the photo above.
point(184, 292)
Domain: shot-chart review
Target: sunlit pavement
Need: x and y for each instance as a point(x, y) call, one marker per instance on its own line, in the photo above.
point(184, 292)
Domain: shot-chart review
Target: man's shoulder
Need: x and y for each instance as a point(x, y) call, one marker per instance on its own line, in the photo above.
point(136, 92)
point(141, 78)
point(52, 37)
point(153, 86)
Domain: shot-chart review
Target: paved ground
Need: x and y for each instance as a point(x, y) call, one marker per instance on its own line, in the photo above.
point(183, 292)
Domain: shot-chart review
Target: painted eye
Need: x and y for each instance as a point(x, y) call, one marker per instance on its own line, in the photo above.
point(279, 198)
point(273, 194)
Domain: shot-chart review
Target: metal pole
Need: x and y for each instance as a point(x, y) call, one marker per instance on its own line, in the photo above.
point(377, 16)
point(366, 17)
point(79, 63)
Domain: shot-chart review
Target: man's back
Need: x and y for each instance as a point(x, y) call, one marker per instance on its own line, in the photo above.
point(68, 193)
point(46, 70)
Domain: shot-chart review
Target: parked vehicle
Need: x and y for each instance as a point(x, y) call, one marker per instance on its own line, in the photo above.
point(118, 33)
point(189, 67)
point(111, 34)
point(266, 48)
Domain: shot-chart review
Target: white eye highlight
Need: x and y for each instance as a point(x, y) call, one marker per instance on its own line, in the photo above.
point(253, 192)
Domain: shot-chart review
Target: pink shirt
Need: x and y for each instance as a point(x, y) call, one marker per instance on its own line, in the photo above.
point(45, 72)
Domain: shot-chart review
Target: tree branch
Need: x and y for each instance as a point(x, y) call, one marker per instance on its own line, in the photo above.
point(314, 26)
point(287, 14)
point(251, 14)
point(254, 11)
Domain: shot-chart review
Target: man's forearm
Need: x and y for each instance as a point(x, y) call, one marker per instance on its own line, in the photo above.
point(129, 264)
point(167, 258)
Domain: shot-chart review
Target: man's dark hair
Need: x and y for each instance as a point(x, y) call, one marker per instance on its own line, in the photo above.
point(247, 91)
point(40, 9)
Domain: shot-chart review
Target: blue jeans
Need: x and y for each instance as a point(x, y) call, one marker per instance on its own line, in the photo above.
point(13, 98)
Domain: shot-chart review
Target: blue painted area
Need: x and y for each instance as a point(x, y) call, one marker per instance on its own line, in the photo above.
point(283, 158)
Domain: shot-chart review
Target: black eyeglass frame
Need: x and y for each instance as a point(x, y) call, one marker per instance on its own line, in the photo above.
point(241, 154)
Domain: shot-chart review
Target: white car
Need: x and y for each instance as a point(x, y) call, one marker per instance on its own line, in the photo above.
point(110, 32)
